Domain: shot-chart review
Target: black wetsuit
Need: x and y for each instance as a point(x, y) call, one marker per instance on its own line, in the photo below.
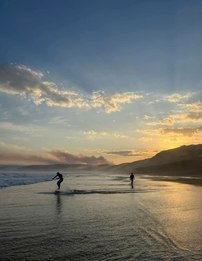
point(60, 179)
point(132, 179)
point(60, 176)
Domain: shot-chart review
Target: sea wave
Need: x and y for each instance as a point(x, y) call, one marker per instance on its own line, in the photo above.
point(8, 179)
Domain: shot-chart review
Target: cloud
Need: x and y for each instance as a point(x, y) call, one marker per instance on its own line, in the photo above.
point(120, 136)
point(189, 132)
point(68, 158)
point(124, 153)
point(92, 134)
point(5, 146)
point(168, 121)
point(112, 103)
point(193, 107)
point(177, 97)
point(9, 126)
point(191, 117)
point(24, 158)
point(150, 134)
point(49, 157)
point(191, 112)
point(22, 81)
point(132, 153)
point(59, 120)
point(30, 129)
point(194, 116)
point(146, 132)
point(148, 117)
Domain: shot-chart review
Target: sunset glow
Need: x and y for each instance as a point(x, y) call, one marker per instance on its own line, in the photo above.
point(98, 85)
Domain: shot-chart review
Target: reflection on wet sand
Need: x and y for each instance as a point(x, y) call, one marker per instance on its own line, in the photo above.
point(58, 204)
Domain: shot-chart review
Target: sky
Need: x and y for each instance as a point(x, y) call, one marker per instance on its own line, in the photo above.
point(98, 81)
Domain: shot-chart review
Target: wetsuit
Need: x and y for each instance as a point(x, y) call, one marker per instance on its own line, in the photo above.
point(132, 179)
point(60, 177)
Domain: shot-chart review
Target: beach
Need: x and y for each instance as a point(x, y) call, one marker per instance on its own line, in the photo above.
point(99, 217)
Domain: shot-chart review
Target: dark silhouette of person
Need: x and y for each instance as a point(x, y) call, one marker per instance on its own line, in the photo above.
point(60, 177)
point(132, 177)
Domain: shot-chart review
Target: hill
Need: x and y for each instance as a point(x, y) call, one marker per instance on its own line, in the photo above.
point(182, 161)
point(185, 160)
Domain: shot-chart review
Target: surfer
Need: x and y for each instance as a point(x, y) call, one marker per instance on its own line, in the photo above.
point(60, 177)
point(132, 177)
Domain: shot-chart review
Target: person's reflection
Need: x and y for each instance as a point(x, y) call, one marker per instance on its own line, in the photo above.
point(58, 204)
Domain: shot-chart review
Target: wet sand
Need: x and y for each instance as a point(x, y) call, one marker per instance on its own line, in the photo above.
point(101, 218)
point(185, 180)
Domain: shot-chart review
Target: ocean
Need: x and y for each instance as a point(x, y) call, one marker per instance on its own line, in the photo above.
point(98, 217)
point(10, 178)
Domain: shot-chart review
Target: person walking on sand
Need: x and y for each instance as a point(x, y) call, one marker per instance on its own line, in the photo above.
point(132, 177)
point(60, 177)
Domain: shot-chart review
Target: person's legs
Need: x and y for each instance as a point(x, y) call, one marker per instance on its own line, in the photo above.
point(58, 183)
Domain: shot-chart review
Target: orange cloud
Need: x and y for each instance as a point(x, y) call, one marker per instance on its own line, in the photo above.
point(177, 97)
point(168, 121)
point(181, 131)
point(195, 106)
point(190, 113)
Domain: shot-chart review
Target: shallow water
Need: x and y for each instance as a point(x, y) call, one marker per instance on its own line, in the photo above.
point(99, 217)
